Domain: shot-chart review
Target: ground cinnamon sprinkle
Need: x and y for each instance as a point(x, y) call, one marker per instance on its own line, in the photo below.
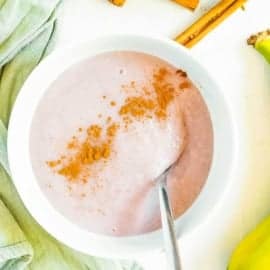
point(109, 119)
point(53, 163)
point(181, 73)
point(141, 104)
point(184, 85)
point(111, 130)
point(94, 131)
point(148, 104)
point(137, 107)
point(92, 149)
point(72, 144)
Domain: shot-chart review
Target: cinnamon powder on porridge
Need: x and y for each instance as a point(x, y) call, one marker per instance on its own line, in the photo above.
point(92, 149)
point(150, 101)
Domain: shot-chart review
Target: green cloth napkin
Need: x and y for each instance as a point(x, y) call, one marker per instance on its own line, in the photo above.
point(27, 29)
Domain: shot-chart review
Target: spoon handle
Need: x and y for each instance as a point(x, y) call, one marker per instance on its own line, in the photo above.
point(168, 227)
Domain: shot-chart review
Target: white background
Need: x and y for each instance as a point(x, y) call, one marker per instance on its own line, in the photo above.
point(245, 79)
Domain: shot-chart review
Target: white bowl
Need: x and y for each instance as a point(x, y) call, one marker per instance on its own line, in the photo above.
point(224, 158)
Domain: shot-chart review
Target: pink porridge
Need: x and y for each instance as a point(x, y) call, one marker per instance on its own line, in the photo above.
point(106, 128)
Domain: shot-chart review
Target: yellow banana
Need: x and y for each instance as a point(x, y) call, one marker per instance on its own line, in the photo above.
point(253, 252)
point(261, 43)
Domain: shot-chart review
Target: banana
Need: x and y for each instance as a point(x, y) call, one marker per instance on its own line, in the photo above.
point(253, 252)
point(261, 42)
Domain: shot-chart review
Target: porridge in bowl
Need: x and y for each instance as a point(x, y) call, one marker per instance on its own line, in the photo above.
point(106, 128)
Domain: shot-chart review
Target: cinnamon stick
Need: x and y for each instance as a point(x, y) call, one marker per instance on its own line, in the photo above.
point(193, 34)
point(191, 4)
point(118, 2)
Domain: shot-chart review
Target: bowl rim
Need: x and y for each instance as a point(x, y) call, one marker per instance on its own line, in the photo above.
point(19, 158)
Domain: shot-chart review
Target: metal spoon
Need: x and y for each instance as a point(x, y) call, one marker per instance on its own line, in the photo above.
point(170, 240)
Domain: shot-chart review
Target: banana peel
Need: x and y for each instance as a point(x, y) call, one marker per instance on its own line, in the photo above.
point(261, 42)
point(253, 252)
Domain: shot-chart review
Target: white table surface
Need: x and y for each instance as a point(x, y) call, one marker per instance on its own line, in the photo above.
point(245, 79)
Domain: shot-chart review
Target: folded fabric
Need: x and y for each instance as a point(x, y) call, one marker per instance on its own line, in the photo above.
point(27, 30)
point(15, 250)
